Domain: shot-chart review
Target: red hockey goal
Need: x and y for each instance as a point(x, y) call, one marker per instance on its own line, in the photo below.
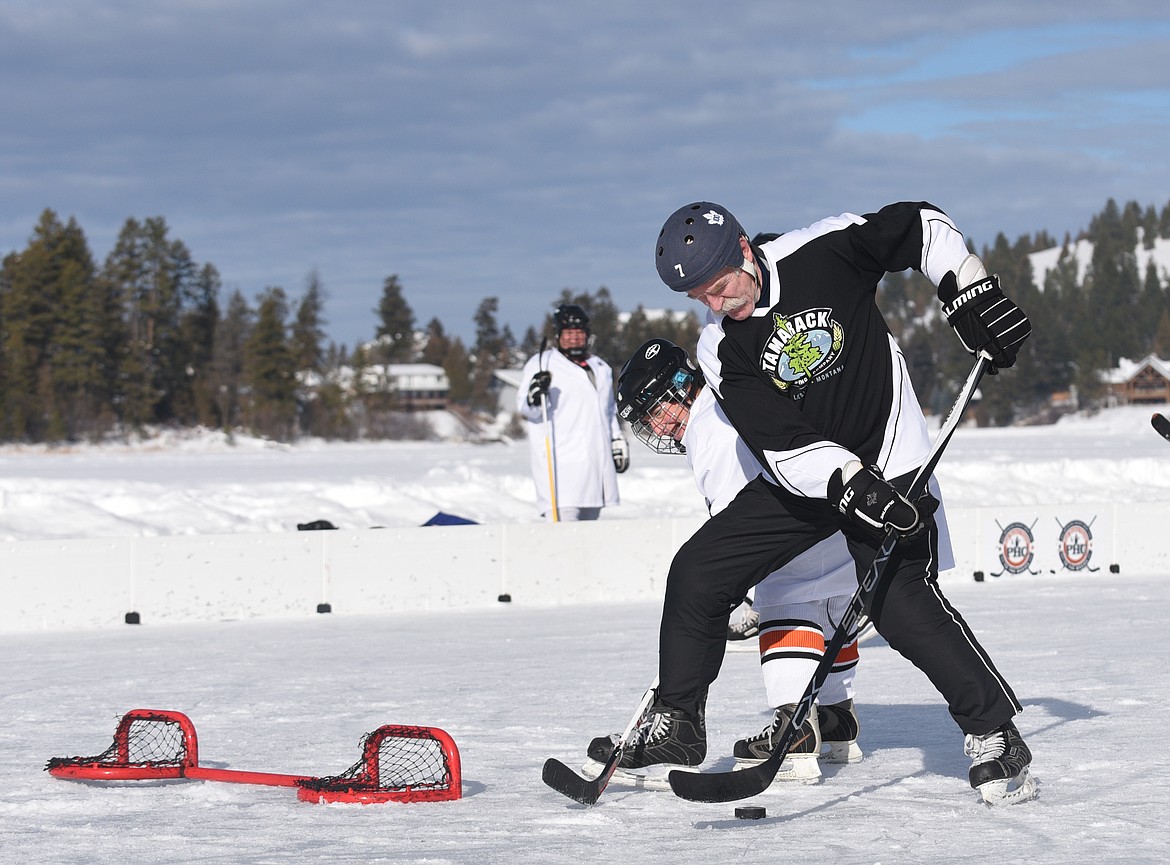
point(399, 763)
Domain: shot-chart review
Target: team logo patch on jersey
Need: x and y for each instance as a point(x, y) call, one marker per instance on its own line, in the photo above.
point(802, 348)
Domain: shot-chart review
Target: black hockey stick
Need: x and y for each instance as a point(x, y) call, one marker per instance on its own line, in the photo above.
point(584, 790)
point(1161, 425)
point(729, 786)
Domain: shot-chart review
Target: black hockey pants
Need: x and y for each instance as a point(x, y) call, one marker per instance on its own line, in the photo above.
point(763, 529)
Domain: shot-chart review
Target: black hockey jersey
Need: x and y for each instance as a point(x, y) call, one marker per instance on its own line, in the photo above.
point(813, 378)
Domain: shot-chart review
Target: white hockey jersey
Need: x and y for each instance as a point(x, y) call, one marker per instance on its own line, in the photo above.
point(582, 423)
point(722, 464)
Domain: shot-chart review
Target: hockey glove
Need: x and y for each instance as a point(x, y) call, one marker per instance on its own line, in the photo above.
point(868, 500)
point(621, 455)
point(538, 388)
point(984, 319)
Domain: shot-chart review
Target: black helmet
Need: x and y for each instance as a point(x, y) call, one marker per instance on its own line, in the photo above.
point(696, 242)
point(568, 316)
point(658, 372)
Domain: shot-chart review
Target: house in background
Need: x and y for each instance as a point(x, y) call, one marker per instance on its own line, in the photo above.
point(412, 386)
point(415, 386)
point(1137, 382)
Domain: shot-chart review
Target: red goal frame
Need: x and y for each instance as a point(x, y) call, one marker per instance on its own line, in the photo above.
point(399, 763)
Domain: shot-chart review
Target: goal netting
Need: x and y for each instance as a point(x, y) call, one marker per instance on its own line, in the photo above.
point(148, 744)
point(399, 763)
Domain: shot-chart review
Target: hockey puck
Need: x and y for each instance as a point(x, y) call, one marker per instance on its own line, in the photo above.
point(751, 812)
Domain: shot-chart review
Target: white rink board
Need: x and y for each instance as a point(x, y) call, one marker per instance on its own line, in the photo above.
point(87, 583)
point(50, 585)
point(383, 570)
point(187, 578)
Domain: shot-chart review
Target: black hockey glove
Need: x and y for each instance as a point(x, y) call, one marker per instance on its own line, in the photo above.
point(984, 319)
point(538, 389)
point(868, 500)
point(621, 454)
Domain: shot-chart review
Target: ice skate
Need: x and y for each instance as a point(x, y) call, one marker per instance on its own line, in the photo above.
point(744, 626)
point(999, 766)
point(800, 764)
point(667, 739)
point(839, 728)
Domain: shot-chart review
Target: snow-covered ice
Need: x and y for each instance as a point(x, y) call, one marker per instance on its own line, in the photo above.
point(516, 684)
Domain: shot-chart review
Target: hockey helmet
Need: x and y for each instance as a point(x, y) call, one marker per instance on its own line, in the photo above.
point(568, 316)
point(658, 373)
point(696, 242)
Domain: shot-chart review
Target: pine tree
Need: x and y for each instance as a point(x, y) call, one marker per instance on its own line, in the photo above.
point(308, 328)
point(1112, 287)
point(395, 333)
point(530, 345)
point(437, 344)
point(268, 369)
point(56, 364)
point(457, 366)
point(84, 345)
point(154, 276)
point(1149, 227)
point(492, 351)
point(605, 325)
point(232, 334)
point(196, 404)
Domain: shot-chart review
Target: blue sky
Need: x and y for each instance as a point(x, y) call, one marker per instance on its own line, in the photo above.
point(517, 149)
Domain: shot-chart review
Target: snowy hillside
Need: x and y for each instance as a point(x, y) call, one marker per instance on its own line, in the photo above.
point(1082, 252)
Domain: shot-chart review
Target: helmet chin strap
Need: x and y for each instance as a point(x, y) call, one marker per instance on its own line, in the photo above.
point(752, 269)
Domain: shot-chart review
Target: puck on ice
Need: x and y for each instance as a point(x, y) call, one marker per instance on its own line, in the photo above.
point(751, 812)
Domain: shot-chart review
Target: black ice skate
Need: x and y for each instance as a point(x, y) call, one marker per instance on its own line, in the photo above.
point(839, 728)
point(800, 764)
point(999, 766)
point(668, 739)
point(745, 627)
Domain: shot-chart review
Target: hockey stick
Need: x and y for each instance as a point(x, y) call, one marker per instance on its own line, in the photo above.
point(548, 451)
point(564, 780)
point(729, 786)
point(1161, 425)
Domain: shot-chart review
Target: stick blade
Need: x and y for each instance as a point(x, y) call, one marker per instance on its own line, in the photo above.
point(568, 783)
point(723, 786)
point(1161, 425)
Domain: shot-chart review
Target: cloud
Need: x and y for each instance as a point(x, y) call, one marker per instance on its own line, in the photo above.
point(514, 150)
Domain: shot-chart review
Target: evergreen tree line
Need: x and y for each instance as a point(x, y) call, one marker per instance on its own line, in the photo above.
point(1082, 325)
point(145, 338)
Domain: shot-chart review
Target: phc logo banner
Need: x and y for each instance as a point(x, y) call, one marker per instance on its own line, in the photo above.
point(1075, 546)
point(1017, 549)
point(1045, 541)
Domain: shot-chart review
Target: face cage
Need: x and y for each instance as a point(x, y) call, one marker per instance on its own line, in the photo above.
point(580, 352)
point(679, 392)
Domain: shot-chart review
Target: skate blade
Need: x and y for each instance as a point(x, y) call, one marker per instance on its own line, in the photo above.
point(801, 768)
point(842, 752)
point(654, 777)
point(1010, 791)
